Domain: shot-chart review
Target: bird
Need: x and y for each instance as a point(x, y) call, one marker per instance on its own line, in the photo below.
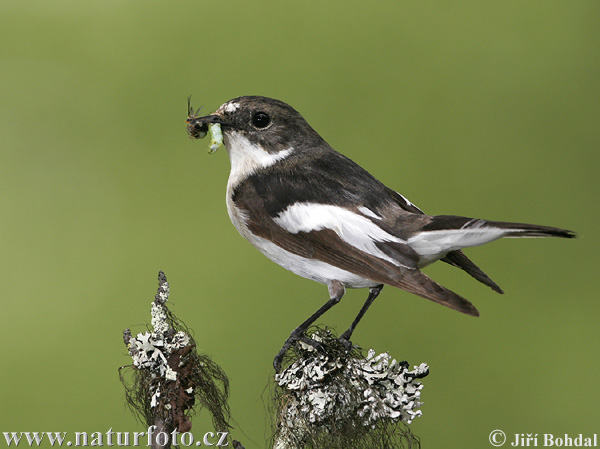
point(320, 215)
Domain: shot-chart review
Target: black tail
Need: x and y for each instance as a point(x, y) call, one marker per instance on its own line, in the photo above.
point(458, 259)
point(528, 230)
point(453, 222)
point(416, 282)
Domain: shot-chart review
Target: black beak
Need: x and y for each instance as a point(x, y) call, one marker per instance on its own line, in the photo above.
point(197, 127)
point(206, 119)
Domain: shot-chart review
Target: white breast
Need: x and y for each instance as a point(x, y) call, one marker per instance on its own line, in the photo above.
point(246, 158)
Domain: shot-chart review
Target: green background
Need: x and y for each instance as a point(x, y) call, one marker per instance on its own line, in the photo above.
point(484, 109)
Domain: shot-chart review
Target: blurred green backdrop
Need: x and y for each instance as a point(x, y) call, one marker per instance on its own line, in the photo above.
point(486, 109)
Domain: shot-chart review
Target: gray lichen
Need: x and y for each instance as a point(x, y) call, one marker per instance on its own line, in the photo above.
point(333, 399)
point(170, 378)
point(151, 350)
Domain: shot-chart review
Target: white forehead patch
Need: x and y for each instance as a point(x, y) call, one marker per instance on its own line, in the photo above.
point(230, 107)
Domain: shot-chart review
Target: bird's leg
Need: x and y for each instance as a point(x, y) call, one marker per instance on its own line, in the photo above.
point(336, 291)
point(373, 293)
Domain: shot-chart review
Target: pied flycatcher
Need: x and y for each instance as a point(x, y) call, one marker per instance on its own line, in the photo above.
point(320, 215)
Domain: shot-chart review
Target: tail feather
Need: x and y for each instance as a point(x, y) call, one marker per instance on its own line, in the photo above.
point(414, 281)
point(443, 237)
point(529, 230)
point(460, 260)
point(453, 223)
point(446, 233)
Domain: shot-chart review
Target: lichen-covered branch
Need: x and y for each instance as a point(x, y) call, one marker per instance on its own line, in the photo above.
point(171, 379)
point(325, 398)
point(329, 398)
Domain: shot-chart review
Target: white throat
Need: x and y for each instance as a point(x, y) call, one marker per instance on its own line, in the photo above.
point(246, 158)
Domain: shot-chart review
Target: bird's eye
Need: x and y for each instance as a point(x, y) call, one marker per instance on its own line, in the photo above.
point(261, 120)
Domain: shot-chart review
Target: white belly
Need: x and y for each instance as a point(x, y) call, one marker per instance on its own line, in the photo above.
point(246, 158)
point(308, 268)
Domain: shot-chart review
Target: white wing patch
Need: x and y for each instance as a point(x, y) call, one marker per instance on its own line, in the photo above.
point(352, 228)
point(368, 212)
point(314, 269)
point(433, 245)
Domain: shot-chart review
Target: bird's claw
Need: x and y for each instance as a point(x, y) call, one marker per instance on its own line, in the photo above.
point(345, 341)
point(314, 343)
point(293, 338)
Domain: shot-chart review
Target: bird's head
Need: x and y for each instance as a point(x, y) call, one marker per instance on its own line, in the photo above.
point(255, 123)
